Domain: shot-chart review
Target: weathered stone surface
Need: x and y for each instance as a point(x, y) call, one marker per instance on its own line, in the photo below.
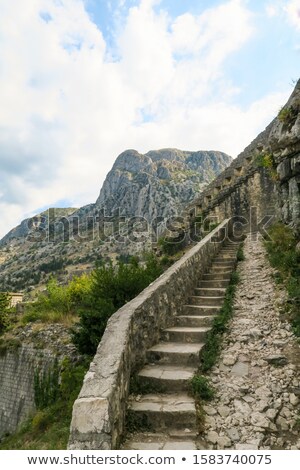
point(212, 437)
point(95, 416)
point(240, 369)
point(259, 420)
point(224, 411)
point(229, 360)
point(209, 410)
point(233, 434)
point(276, 360)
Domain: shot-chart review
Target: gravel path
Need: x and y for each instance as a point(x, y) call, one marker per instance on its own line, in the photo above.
point(257, 378)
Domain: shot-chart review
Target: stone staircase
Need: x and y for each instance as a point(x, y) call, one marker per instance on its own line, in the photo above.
point(170, 411)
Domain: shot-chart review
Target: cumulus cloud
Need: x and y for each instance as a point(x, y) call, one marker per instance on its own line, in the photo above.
point(68, 109)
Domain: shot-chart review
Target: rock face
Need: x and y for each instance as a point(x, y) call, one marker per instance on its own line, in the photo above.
point(159, 183)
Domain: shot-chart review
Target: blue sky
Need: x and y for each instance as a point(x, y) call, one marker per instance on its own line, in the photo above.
point(83, 80)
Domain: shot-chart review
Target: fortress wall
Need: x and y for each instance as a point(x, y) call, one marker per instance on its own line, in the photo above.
point(17, 369)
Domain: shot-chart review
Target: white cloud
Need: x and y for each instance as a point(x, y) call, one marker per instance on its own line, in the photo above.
point(293, 12)
point(272, 10)
point(67, 111)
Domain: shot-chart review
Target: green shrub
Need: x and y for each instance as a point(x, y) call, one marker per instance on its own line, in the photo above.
point(200, 388)
point(111, 288)
point(58, 302)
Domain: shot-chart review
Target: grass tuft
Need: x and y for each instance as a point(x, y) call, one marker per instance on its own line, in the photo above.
point(211, 350)
point(201, 388)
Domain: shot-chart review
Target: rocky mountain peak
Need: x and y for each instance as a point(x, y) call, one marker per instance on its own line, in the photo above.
point(159, 183)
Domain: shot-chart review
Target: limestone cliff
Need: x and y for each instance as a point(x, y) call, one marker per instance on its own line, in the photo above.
point(159, 183)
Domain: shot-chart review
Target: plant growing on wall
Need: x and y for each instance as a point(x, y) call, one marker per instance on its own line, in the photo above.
point(4, 311)
point(266, 160)
point(46, 386)
point(287, 115)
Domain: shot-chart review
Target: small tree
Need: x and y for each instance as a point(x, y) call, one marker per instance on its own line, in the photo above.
point(111, 288)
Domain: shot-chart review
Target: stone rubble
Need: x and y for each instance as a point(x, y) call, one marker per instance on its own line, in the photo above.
point(257, 378)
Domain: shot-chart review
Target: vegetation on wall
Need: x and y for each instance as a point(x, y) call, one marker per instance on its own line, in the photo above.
point(287, 115)
point(4, 311)
point(285, 257)
point(46, 386)
point(49, 427)
point(266, 160)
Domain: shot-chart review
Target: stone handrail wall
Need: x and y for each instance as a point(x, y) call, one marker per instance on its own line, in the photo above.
point(98, 419)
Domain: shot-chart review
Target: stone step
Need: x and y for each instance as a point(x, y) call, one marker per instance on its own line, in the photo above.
point(225, 257)
point(168, 441)
point(227, 254)
point(220, 268)
point(200, 310)
point(194, 320)
point(224, 263)
point(166, 377)
point(217, 276)
point(162, 412)
point(182, 334)
point(210, 292)
point(214, 284)
point(175, 353)
point(206, 300)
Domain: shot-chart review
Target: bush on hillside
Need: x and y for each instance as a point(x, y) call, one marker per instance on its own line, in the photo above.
point(111, 288)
